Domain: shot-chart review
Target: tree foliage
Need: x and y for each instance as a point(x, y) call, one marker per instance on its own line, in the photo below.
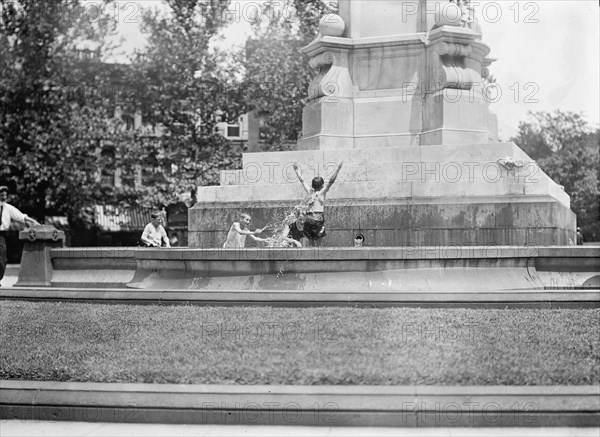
point(57, 108)
point(46, 123)
point(178, 83)
point(277, 73)
point(567, 148)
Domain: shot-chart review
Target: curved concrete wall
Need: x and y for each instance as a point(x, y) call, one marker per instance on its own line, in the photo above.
point(381, 269)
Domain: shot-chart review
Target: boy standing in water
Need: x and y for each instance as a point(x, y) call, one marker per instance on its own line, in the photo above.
point(314, 224)
point(236, 238)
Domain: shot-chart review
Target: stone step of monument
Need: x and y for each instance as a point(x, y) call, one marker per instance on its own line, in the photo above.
point(393, 154)
point(476, 161)
point(476, 189)
point(451, 172)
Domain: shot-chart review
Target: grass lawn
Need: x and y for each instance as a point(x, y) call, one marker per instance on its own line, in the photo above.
point(233, 345)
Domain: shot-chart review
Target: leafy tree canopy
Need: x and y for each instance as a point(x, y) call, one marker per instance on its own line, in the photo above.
point(567, 148)
point(57, 106)
point(46, 123)
point(277, 73)
point(179, 84)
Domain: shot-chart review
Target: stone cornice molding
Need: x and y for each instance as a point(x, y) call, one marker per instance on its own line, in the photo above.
point(488, 61)
point(331, 42)
point(457, 34)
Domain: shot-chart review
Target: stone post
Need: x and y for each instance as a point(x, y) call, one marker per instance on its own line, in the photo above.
point(36, 266)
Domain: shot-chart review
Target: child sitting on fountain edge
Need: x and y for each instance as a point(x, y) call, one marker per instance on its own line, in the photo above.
point(314, 225)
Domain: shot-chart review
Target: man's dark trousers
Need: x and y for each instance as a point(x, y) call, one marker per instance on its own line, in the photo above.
point(3, 255)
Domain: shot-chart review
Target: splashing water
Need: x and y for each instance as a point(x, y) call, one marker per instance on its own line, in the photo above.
point(281, 229)
point(280, 234)
point(281, 271)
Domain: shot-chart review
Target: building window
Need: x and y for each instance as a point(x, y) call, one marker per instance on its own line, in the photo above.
point(233, 131)
point(131, 177)
point(107, 174)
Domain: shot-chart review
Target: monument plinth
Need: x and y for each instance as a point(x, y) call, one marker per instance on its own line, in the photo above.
point(388, 82)
point(401, 96)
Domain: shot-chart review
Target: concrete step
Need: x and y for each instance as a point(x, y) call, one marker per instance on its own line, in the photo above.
point(47, 428)
point(538, 299)
point(408, 163)
point(398, 406)
point(382, 155)
point(448, 171)
point(393, 186)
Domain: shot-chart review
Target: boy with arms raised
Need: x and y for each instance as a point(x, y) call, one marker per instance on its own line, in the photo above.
point(314, 224)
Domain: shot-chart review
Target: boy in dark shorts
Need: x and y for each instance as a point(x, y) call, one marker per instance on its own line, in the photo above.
point(314, 225)
point(283, 235)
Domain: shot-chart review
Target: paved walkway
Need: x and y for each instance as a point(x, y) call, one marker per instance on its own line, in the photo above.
point(11, 275)
point(14, 428)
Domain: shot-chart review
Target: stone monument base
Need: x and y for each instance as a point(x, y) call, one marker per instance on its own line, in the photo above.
point(452, 222)
point(464, 195)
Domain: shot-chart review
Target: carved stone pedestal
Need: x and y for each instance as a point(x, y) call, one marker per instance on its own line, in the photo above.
point(36, 267)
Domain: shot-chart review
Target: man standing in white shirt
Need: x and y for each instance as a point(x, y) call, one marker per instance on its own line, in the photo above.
point(154, 234)
point(8, 213)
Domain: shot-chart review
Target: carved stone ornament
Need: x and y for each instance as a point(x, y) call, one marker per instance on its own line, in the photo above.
point(332, 25)
point(332, 79)
point(448, 67)
point(509, 163)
